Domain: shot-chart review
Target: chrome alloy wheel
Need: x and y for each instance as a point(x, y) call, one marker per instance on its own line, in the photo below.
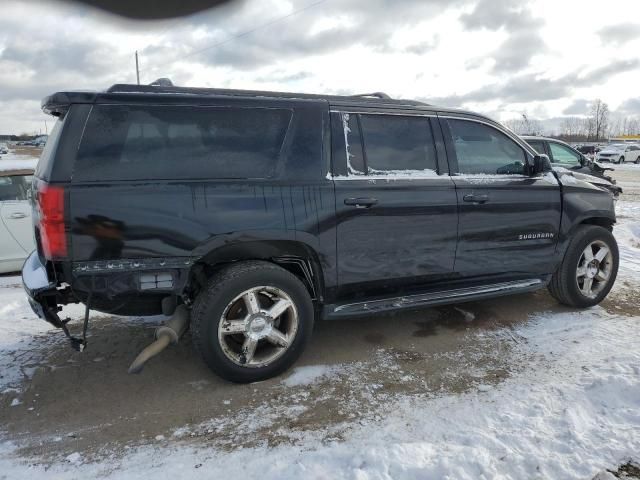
point(594, 269)
point(258, 326)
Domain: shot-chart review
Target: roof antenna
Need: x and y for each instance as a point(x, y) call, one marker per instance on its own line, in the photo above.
point(162, 82)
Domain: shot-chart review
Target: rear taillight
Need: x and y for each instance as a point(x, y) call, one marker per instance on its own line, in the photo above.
point(53, 238)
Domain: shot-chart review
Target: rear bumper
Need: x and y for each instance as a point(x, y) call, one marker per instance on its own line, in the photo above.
point(42, 292)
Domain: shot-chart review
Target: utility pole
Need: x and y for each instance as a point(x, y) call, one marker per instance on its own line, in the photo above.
point(46, 128)
point(137, 69)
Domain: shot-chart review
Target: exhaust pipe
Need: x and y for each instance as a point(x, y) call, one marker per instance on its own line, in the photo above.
point(165, 335)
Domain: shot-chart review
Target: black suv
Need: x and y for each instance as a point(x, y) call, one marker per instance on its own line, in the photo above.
point(249, 215)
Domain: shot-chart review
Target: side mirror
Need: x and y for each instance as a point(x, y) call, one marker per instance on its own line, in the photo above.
point(541, 164)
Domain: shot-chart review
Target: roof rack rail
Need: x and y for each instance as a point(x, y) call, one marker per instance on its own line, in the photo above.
point(374, 94)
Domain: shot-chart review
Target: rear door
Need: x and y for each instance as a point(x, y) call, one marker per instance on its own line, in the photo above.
point(509, 221)
point(396, 214)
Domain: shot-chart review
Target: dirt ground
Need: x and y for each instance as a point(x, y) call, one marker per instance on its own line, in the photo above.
point(26, 150)
point(87, 402)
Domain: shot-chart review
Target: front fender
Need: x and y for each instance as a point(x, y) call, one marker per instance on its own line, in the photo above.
point(584, 203)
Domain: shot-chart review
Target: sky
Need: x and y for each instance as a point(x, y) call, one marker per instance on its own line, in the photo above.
point(545, 58)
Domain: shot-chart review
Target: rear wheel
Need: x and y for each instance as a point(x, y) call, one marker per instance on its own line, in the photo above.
point(621, 160)
point(589, 268)
point(252, 321)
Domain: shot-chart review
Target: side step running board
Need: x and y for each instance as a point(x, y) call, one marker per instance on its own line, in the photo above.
point(431, 298)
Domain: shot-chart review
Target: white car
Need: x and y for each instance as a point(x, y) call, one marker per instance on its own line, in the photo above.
point(16, 228)
point(3, 149)
point(619, 153)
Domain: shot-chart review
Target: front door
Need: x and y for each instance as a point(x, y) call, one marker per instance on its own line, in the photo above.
point(396, 216)
point(509, 221)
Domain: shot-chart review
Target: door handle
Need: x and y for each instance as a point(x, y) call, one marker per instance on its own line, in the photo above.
point(361, 202)
point(470, 197)
point(18, 215)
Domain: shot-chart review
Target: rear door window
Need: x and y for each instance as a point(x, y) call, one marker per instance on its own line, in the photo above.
point(398, 144)
point(382, 145)
point(180, 142)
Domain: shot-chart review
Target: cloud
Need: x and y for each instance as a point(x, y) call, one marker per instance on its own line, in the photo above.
point(422, 47)
point(336, 46)
point(496, 14)
point(281, 76)
point(516, 52)
point(620, 33)
point(371, 24)
point(533, 87)
point(518, 21)
point(577, 107)
point(630, 106)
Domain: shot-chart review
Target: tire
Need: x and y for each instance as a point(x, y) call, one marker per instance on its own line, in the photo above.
point(621, 161)
point(567, 286)
point(231, 327)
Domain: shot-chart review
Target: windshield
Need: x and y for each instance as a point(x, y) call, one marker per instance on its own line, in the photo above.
point(615, 146)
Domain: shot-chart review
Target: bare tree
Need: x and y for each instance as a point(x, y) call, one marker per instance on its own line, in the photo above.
point(599, 119)
point(524, 125)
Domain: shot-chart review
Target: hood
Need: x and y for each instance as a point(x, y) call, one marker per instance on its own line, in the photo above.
point(591, 179)
point(610, 150)
point(561, 171)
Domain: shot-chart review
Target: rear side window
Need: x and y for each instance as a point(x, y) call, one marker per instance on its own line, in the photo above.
point(382, 145)
point(180, 142)
point(537, 145)
point(481, 149)
point(394, 142)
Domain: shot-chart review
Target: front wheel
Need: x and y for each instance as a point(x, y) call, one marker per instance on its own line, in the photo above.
point(621, 160)
point(252, 321)
point(589, 268)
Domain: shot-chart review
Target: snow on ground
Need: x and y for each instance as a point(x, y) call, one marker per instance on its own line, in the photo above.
point(627, 232)
point(310, 374)
point(21, 332)
point(622, 167)
point(12, 161)
point(573, 411)
point(19, 164)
